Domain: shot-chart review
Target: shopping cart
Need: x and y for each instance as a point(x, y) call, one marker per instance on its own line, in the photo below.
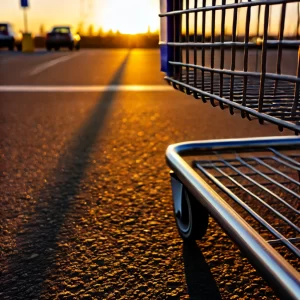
point(237, 56)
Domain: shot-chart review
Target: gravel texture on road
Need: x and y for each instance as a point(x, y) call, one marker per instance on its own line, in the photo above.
point(86, 208)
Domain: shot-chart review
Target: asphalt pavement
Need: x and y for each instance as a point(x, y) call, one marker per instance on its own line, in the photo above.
point(86, 207)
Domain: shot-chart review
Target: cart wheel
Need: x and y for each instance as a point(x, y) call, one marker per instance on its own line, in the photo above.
point(191, 217)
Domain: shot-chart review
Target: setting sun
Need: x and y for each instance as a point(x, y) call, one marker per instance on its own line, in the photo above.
point(131, 16)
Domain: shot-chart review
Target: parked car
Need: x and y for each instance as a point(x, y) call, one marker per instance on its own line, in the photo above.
point(9, 38)
point(62, 36)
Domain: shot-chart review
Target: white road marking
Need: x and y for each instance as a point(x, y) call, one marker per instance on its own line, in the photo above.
point(6, 60)
point(48, 64)
point(85, 88)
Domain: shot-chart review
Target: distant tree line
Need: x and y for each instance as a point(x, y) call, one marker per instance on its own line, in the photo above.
point(91, 38)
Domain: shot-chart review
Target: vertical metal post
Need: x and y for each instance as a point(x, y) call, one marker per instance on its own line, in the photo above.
point(297, 87)
point(270, 21)
point(233, 54)
point(222, 39)
point(195, 41)
point(177, 37)
point(25, 20)
point(263, 61)
point(257, 35)
point(246, 55)
point(280, 38)
point(187, 37)
point(258, 21)
point(298, 21)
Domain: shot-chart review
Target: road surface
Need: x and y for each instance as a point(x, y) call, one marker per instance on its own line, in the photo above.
point(86, 209)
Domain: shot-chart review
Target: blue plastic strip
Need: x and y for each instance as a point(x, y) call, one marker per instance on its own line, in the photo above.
point(166, 52)
point(165, 57)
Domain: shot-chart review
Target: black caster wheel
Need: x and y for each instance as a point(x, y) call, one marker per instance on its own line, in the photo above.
point(191, 217)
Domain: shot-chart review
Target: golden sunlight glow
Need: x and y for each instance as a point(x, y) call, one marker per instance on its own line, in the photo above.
point(130, 16)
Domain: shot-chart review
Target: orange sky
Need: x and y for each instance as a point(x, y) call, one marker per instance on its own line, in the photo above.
point(127, 16)
point(290, 21)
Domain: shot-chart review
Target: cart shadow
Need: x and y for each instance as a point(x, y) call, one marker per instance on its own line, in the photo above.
point(36, 245)
point(199, 280)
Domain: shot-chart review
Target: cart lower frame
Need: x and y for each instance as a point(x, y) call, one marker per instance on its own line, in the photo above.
point(282, 276)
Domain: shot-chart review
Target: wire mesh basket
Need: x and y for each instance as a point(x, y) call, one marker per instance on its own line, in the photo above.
point(242, 56)
point(250, 65)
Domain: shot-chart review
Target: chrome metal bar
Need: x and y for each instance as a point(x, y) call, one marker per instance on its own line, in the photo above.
point(278, 241)
point(206, 166)
point(280, 38)
point(233, 53)
point(250, 111)
point(179, 21)
point(195, 40)
point(289, 78)
point(298, 19)
point(285, 163)
point(276, 171)
point(212, 50)
point(187, 37)
point(277, 153)
point(222, 54)
point(283, 277)
point(231, 44)
point(296, 94)
point(275, 183)
point(203, 32)
point(263, 60)
point(247, 208)
point(246, 53)
point(257, 33)
point(258, 198)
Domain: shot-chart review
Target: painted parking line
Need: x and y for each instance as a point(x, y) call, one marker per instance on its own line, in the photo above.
point(84, 88)
point(48, 64)
point(5, 60)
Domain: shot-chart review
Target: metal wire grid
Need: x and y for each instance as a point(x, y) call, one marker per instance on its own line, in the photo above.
point(268, 96)
point(264, 187)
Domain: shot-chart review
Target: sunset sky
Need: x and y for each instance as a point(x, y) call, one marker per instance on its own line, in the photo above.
point(274, 21)
point(127, 16)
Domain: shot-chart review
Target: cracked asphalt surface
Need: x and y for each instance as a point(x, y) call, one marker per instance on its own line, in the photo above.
point(86, 208)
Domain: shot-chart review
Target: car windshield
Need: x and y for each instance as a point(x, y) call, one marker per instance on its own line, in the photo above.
point(63, 30)
point(3, 28)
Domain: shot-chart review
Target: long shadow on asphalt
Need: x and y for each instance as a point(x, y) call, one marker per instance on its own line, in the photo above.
point(200, 281)
point(37, 246)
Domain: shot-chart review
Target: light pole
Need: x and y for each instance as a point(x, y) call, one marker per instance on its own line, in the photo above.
point(24, 5)
point(27, 41)
point(25, 20)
